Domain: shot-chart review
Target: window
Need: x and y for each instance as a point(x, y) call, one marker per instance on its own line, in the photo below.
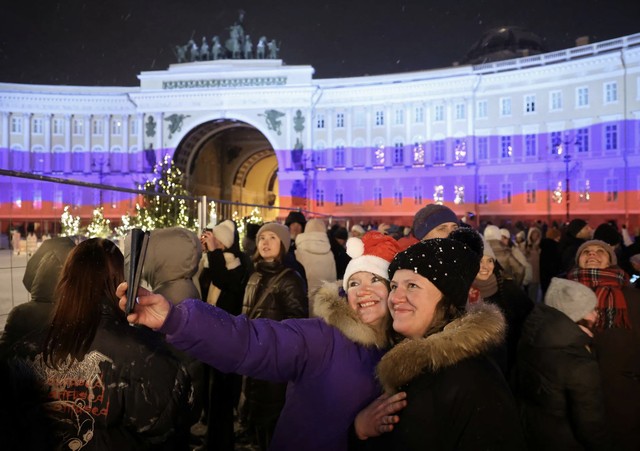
point(505, 193)
point(77, 160)
point(505, 106)
point(418, 154)
point(377, 196)
point(461, 112)
point(483, 194)
point(16, 125)
point(439, 113)
point(338, 157)
point(57, 199)
point(78, 127)
point(460, 151)
point(530, 147)
point(506, 151)
point(417, 195)
point(439, 152)
point(359, 119)
point(611, 137)
point(37, 159)
point(530, 189)
point(483, 148)
point(17, 159)
point(397, 196)
point(582, 97)
point(399, 117)
point(584, 188)
point(319, 158)
point(398, 154)
point(57, 127)
point(378, 155)
point(320, 121)
point(556, 143)
point(530, 103)
point(133, 127)
point(339, 198)
point(419, 115)
point(57, 159)
point(319, 197)
point(97, 127)
point(36, 126)
point(582, 140)
point(555, 100)
point(481, 109)
point(116, 127)
point(611, 188)
point(379, 118)
point(115, 157)
point(339, 120)
point(610, 92)
point(37, 199)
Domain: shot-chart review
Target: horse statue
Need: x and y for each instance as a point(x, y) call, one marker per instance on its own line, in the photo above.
point(273, 49)
point(261, 47)
point(204, 50)
point(217, 52)
point(194, 55)
point(181, 53)
point(248, 48)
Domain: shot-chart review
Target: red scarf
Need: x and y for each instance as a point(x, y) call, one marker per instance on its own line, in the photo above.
point(607, 284)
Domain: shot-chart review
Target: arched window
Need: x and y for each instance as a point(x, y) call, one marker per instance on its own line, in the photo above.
point(77, 159)
point(57, 159)
point(37, 159)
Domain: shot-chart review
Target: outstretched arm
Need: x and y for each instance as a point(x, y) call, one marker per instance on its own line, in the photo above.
point(151, 310)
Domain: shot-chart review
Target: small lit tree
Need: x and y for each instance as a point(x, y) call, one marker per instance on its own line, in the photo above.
point(100, 226)
point(70, 223)
point(165, 208)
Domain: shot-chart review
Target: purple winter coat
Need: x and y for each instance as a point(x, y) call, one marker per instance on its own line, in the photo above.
point(329, 362)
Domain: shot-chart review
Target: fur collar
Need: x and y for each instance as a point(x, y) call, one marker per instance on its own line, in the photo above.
point(335, 311)
point(478, 330)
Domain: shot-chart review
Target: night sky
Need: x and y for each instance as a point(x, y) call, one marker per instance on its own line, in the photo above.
point(107, 43)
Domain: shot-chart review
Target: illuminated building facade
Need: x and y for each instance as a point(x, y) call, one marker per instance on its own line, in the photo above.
point(502, 139)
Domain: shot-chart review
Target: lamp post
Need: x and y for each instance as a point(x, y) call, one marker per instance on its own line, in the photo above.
point(100, 163)
point(562, 149)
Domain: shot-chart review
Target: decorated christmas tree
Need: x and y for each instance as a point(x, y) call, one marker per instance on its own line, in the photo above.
point(166, 208)
point(100, 226)
point(70, 223)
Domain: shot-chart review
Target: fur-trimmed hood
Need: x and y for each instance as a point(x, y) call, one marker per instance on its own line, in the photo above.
point(335, 311)
point(473, 334)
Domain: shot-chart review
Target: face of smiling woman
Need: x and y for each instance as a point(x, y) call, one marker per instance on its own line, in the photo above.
point(594, 257)
point(412, 303)
point(487, 265)
point(367, 295)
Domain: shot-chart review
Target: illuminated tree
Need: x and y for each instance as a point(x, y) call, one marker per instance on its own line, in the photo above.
point(70, 223)
point(100, 226)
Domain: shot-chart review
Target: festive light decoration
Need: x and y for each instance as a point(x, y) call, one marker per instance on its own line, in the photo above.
point(70, 223)
point(438, 194)
point(166, 209)
point(459, 192)
point(100, 226)
point(556, 196)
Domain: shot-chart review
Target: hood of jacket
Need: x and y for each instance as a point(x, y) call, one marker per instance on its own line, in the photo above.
point(335, 311)
point(172, 259)
point(313, 243)
point(44, 267)
point(481, 328)
point(547, 327)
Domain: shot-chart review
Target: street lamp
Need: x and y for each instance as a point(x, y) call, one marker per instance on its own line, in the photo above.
point(561, 146)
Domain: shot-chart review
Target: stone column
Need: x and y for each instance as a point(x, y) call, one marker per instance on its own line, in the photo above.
point(124, 157)
point(86, 126)
point(26, 136)
point(67, 144)
point(4, 144)
point(46, 119)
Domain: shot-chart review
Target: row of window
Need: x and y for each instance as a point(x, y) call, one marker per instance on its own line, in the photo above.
point(505, 194)
point(77, 126)
point(529, 106)
point(79, 163)
point(559, 144)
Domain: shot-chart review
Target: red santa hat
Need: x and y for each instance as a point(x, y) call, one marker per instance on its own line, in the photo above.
point(372, 253)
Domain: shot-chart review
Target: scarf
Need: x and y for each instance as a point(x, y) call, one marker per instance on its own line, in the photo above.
point(607, 284)
point(481, 289)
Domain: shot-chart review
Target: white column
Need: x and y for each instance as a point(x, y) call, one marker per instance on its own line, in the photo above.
point(369, 125)
point(140, 155)
point(26, 136)
point(87, 128)
point(106, 120)
point(159, 147)
point(348, 123)
point(67, 143)
point(448, 117)
point(125, 144)
point(388, 142)
point(4, 131)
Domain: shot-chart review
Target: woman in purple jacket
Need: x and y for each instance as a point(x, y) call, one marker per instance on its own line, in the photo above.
point(328, 361)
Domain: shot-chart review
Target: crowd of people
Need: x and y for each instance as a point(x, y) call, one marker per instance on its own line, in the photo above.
point(303, 336)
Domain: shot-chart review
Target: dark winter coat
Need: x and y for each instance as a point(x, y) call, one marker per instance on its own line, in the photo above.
point(550, 264)
point(286, 298)
point(328, 361)
point(568, 248)
point(40, 279)
point(457, 398)
point(558, 385)
point(128, 393)
point(231, 282)
point(618, 352)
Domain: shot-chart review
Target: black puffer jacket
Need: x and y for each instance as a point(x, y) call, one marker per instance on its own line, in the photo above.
point(128, 393)
point(286, 298)
point(558, 385)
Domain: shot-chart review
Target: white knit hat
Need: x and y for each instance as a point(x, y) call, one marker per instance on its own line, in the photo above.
point(505, 233)
point(358, 230)
point(488, 251)
point(572, 298)
point(224, 233)
point(492, 232)
point(372, 253)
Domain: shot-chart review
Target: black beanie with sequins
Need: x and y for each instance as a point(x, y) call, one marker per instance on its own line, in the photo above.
point(451, 264)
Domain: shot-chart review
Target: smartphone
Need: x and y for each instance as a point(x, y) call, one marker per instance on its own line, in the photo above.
point(634, 278)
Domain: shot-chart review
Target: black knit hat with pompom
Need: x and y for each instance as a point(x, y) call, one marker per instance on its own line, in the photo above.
point(451, 264)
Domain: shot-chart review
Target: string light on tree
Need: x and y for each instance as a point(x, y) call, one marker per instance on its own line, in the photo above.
point(70, 223)
point(99, 227)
